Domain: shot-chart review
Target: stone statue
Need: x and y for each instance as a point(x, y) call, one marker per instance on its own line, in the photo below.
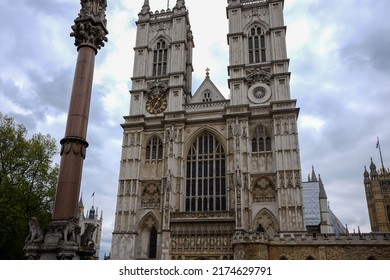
point(86, 237)
point(70, 231)
point(35, 233)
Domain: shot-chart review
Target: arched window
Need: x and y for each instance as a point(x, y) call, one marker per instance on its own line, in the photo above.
point(160, 58)
point(261, 141)
point(256, 45)
point(154, 149)
point(153, 243)
point(206, 175)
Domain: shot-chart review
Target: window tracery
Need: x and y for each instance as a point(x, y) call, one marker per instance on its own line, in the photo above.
point(154, 149)
point(256, 45)
point(160, 58)
point(206, 175)
point(261, 140)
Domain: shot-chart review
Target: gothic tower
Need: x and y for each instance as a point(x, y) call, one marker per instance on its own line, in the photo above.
point(377, 188)
point(269, 158)
point(198, 169)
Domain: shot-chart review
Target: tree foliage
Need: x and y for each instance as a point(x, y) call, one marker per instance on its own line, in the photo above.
point(28, 181)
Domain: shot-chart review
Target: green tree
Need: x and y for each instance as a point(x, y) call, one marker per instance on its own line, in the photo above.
point(28, 181)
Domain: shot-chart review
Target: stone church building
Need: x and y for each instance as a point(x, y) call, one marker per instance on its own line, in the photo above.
point(205, 177)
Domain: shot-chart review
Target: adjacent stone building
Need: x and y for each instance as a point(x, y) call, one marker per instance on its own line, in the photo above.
point(205, 177)
point(377, 187)
point(91, 219)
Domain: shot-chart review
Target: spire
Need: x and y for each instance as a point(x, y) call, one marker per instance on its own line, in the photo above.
point(373, 171)
point(322, 189)
point(145, 7)
point(313, 175)
point(366, 174)
point(81, 204)
point(180, 4)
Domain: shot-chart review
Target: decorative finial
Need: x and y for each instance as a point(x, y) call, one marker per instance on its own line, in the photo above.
point(90, 26)
point(145, 7)
point(207, 72)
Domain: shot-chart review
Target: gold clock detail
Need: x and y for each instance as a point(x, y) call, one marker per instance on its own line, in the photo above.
point(156, 103)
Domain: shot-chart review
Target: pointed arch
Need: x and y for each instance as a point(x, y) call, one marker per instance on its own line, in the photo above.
point(266, 221)
point(154, 148)
point(205, 128)
point(260, 23)
point(257, 45)
point(148, 221)
point(160, 49)
point(164, 37)
point(148, 236)
point(205, 181)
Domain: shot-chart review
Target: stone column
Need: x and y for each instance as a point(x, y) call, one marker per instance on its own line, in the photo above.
point(62, 238)
point(90, 33)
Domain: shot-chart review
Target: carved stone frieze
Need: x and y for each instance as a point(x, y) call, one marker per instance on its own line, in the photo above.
point(160, 26)
point(157, 86)
point(258, 75)
point(192, 238)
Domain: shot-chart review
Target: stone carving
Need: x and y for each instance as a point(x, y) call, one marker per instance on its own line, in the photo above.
point(90, 26)
point(264, 190)
point(95, 9)
point(77, 145)
point(258, 75)
point(191, 238)
point(150, 196)
point(35, 232)
point(266, 222)
point(86, 237)
point(69, 233)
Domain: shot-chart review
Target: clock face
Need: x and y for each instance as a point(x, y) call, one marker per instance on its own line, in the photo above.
point(156, 103)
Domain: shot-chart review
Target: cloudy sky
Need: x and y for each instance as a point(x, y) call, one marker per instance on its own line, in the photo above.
point(340, 64)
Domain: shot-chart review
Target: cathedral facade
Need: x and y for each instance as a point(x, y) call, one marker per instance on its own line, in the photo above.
point(205, 177)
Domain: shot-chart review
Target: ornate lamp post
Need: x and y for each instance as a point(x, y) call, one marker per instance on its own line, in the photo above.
point(62, 238)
